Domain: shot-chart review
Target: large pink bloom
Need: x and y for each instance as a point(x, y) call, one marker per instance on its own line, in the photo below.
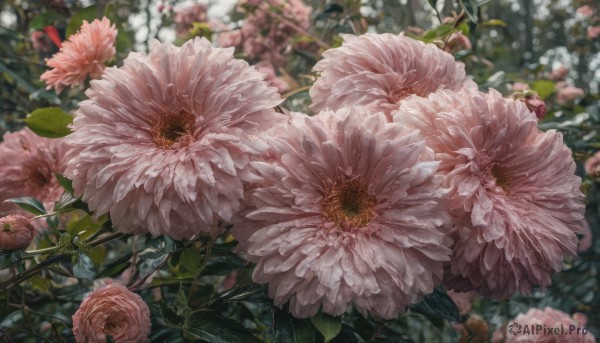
point(537, 320)
point(84, 53)
point(28, 164)
point(378, 71)
point(515, 195)
point(346, 211)
point(115, 311)
point(161, 142)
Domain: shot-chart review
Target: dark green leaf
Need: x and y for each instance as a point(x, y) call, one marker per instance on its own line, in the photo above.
point(10, 258)
point(200, 296)
point(84, 269)
point(171, 316)
point(51, 122)
point(437, 305)
point(207, 326)
point(64, 202)
point(470, 7)
point(289, 329)
point(116, 267)
point(249, 292)
point(89, 13)
point(151, 262)
point(66, 183)
point(46, 18)
point(327, 325)
point(190, 259)
point(432, 3)
point(30, 205)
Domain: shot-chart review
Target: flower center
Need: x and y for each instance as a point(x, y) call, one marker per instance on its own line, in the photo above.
point(401, 93)
point(501, 176)
point(173, 128)
point(113, 324)
point(349, 203)
point(35, 178)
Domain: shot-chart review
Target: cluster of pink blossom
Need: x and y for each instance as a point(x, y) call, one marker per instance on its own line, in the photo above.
point(185, 18)
point(407, 178)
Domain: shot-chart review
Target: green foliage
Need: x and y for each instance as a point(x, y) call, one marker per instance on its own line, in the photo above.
point(49, 122)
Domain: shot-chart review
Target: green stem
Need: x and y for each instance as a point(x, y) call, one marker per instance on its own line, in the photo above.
point(201, 269)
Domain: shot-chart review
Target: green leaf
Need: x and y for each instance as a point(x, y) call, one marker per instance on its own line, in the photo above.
point(250, 292)
point(190, 259)
point(327, 325)
point(470, 7)
point(89, 13)
point(171, 316)
point(65, 182)
point(116, 267)
point(84, 269)
point(29, 204)
point(494, 22)
point(49, 122)
point(437, 305)
point(207, 326)
point(544, 88)
point(289, 329)
point(64, 202)
point(200, 296)
point(49, 17)
point(432, 3)
point(10, 258)
point(151, 262)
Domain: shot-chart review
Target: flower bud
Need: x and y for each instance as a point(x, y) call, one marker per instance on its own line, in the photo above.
point(15, 232)
point(533, 102)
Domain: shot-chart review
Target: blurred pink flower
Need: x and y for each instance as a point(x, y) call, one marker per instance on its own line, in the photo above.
point(114, 311)
point(186, 17)
point(84, 53)
point(266, 68)
point(270, 25)
point(585, 11)
point(456, 42)
point(226, 37)
point(28, 163)
point(559, 73)
point(592, 165)
point(593, 32)
point(345, 210)
point(568, 94)
point(519, 86)
point(162, 141)
point(514, 194)
point(40, 41)
point(15, 232)
point(533, 102)
point(547, 318)
point(379, 71)
point(463, 300)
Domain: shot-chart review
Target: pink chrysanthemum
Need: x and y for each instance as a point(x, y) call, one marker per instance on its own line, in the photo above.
point(537, 326)
point(28, 164)
point(345, 211)
point(162, 141)
point(112, 311)
point(378, 71)
point(84, 53)
point(514, 193)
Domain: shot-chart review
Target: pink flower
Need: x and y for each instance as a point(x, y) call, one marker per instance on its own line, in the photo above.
point(112, 311)
point(519, 86)
point(15, 232)
point(28, 163)
point(162, 141)
point(533, 102)
point(345, 210)
point(593, 32)
point(547, 318)
point(559, 73)
point(463, 300)
point(514, 194)
point(585, 11)
point(40, 41)
point(275, 81)
point(378, 71)
point(568, 94)
point(270, 25)
point(186, 17)
point(456, 42)
point(84, 53)
point(586, 240)
point(592, 165)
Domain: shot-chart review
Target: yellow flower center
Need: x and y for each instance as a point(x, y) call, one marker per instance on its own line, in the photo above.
point(349, 203)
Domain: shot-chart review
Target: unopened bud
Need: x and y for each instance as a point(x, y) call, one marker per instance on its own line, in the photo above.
point(15, 232)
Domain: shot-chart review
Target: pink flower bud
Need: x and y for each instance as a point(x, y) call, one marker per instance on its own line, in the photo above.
point(533, 102)
point(15, 232)
point(519, 86)
point(114, 311)
point(569, 93)
point(593, 32)
point(559, 73)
